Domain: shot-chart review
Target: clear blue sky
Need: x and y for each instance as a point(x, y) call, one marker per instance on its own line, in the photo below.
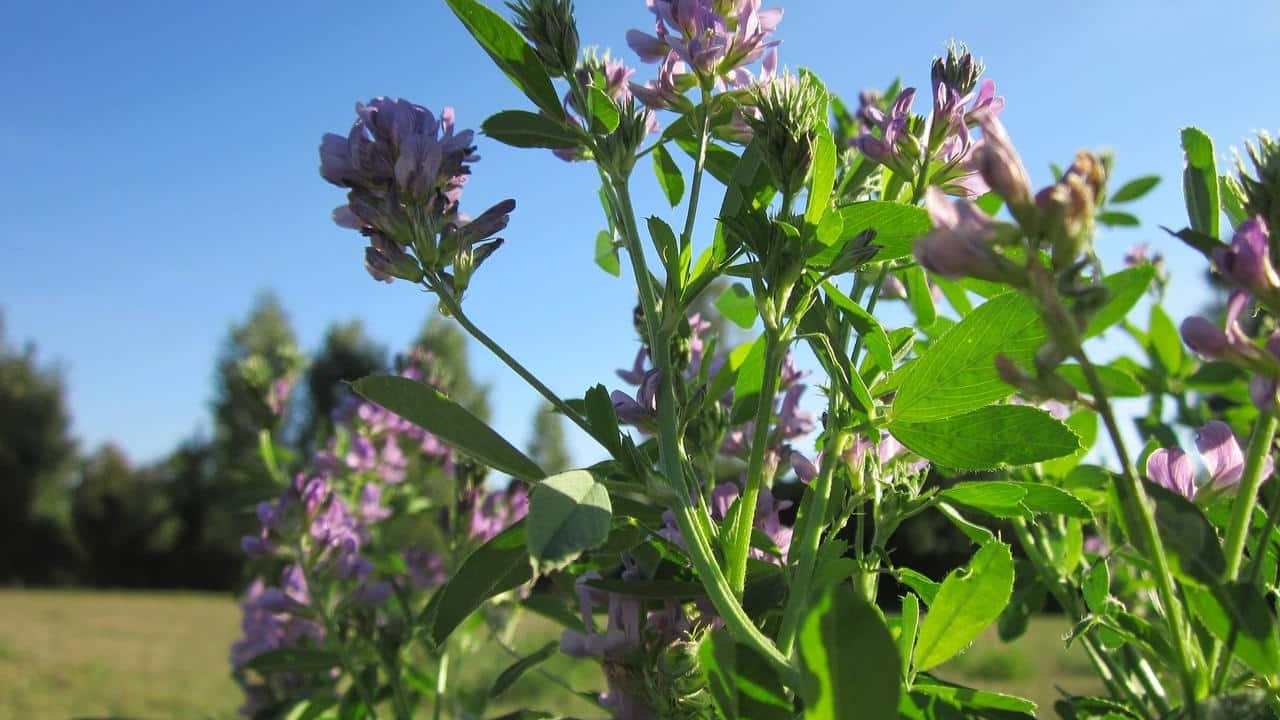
point(162, 167)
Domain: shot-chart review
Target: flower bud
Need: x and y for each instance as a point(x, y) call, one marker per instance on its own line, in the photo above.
point(1001, 167)
point(789, 111)
point(550, 27)
point(1204, 338)
point(959, 71)
point(1262, 189)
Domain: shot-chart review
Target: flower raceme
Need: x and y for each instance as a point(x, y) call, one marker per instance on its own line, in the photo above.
point(1223, 459)
point(405, 169)
point(716, 38)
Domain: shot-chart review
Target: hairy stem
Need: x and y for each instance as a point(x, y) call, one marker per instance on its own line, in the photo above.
point(699, 169)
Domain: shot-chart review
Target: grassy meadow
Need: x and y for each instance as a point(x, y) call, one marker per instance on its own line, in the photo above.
point(72, 654)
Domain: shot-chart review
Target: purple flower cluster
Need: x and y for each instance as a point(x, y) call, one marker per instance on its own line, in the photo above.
point(629, 637)
point(327, 520)
point(1223, 458)
point(716, 38)
point(888, 451)
point(405, 170)
point(896, 140)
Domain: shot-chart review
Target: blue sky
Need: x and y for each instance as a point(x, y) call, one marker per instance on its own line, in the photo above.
point(162, 168)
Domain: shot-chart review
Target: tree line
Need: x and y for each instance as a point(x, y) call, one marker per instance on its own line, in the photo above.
point(92, 517)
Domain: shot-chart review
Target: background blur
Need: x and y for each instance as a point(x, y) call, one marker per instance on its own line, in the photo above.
point(167, 244)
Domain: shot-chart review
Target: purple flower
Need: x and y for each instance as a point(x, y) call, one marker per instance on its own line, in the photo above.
point(278, 395)
point(1171, 468)
point(1137, 254)
point(1247, 262)
point(371, 509)
point(362, 455)
point(792, 421)
point(1000, 164)
point(1264, 390)
point(426, 569)
point(335, 528)
point(1223, 459)
point(805, 469)
point(895, 148)
point(714, 37)
point(722, 498)
point(636, 375)
point(666, 91)
point(642, 410)
point(959, 244)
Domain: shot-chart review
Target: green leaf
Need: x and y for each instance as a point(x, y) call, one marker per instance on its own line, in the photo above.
point(1009, 499)
point(499, 565)
point(851, 667)
point(910, 626)
point(1126, 288)
point(669, 176)
point(665, 240)
point(1115, 381)
point(607, 254)
point(750, 380)
point(1165, 340)
point(897, 227)
point(720, 162)
point(743, 685)
point(737, 304)
point(568, 513)
point(924, 587)
point(603, 419)
point(1240, 606)
point(995, 436)
point(919, 295)
point(1097, 588)
point(430, 410)
point(508, 677)
point(510, 53)
point(970, 599)
point(973, 698)
point(1084, 423)
point(1200, 181)
point(1135, 189)
point(866, 325)
point(302, 660)
point(957, 373)
point(522, 129)
point(604, 113)
point(822, 175)
point(1189, 539)
point(1118, 219)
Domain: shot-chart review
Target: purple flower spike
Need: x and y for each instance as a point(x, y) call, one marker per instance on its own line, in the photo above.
point(1171, 468)
point(714, 37)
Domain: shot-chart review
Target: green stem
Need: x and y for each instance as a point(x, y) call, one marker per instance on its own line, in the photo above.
point(1264, 434)
point(1142, 522)
point(871, 308)
point(454, 309)
point(699, 169)
point(804, 549)
point(699, 547)
point(738, 544)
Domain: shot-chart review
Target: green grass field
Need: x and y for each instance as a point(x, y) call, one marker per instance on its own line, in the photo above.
point(89, 654)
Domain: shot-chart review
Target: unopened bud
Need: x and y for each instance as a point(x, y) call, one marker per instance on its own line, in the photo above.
point(1204, 338)
point(550, 27)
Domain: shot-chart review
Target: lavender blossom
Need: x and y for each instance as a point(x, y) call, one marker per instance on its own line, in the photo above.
point(1247, 262)
point(960, 243)
point(1223, 459)
point(714, 37)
